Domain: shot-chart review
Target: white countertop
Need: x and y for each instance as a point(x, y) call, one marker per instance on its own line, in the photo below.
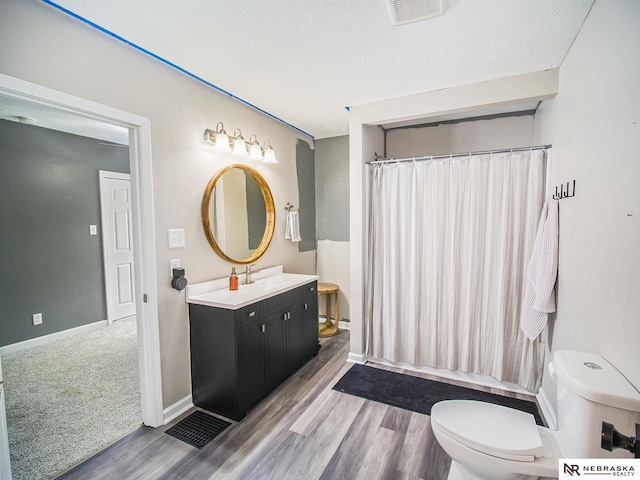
point(268, 282)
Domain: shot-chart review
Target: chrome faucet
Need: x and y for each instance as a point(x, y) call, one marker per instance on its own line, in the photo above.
point(247, 274)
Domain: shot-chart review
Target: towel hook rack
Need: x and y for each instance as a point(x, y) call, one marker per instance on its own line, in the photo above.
point(288, 207)
point(570, 192)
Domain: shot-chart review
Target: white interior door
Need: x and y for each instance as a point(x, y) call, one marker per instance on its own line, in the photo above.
point(5, 462)
point(117, 239)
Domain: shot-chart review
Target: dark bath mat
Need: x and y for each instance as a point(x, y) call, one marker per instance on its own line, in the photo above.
point(198, 429)
point(417, 394)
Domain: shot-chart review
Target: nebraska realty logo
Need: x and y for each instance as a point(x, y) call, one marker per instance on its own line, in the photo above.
point(612, 467)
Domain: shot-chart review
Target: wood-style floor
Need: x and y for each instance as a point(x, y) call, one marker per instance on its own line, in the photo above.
point(303, 430)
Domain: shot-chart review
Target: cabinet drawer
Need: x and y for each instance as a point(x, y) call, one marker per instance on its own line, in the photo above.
point(310, 289)
point(249, 314)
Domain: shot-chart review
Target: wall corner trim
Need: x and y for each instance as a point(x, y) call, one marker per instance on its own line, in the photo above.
point(356, 358)
point(174, 411)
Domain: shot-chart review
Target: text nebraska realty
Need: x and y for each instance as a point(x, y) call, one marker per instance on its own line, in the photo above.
point(608, 470)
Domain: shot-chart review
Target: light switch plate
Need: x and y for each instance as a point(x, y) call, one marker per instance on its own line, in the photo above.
point(176, 238)
point(37, 318)
point(93, 229)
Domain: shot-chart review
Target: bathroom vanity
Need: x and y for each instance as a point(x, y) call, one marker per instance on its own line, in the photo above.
point(244, 343)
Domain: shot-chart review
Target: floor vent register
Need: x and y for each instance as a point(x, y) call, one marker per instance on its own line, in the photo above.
point(198, 429)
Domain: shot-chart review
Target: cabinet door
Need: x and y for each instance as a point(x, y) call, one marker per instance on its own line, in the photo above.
point(310, 314)
point(275, 361)
point(213, 359)
point(251, 360)
point(296, 347)
point(284, 344)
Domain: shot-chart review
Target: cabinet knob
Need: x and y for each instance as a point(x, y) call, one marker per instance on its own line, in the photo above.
point(306, 306)
point(251, 314)
point(263, 328)
point(311, 289)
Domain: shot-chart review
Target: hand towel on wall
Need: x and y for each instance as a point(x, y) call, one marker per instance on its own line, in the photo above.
point(292, 228)
point(539, 295)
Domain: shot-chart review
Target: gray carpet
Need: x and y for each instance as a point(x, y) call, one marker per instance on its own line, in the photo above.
point(71, 398)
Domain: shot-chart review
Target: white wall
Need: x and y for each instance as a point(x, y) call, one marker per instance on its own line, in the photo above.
point(594, 125)
point(333, 257)
point(44, 46)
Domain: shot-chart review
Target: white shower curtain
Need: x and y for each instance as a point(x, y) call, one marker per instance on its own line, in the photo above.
point(449, 241)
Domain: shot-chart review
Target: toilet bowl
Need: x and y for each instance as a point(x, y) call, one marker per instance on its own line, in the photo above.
point(489, 441)
point(492, 442)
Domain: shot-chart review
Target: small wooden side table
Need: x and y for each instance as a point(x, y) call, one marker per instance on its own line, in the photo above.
point(327, 329)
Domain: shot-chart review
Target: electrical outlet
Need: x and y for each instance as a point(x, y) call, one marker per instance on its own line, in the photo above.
point(176, 237)
point(37, 318)
point(175, 263)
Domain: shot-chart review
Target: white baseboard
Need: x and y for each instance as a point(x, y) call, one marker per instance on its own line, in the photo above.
point(174, 411)
point(547, 410)
point(35, 342)
point(344, 324)
point(356, 358)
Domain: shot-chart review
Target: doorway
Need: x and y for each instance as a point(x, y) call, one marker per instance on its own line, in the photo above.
point(145, 287)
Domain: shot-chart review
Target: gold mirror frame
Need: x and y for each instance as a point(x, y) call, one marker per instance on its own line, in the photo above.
point(269, 213)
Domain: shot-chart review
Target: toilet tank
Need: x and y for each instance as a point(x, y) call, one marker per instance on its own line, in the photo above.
point(591, 391)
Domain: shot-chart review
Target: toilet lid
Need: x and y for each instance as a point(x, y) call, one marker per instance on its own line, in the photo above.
point(492, 429)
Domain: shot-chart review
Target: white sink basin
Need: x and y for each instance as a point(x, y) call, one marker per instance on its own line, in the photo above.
point(266, 287)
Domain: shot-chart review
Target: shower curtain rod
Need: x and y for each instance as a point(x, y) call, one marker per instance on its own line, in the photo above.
point(454, 155)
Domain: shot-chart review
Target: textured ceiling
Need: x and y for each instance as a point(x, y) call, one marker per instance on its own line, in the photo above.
point(304, 61)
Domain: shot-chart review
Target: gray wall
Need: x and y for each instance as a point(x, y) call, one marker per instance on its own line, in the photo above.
point(256, 219)
point(332, 188)
point(305, 160)
point(470, 135)
point(49, 195)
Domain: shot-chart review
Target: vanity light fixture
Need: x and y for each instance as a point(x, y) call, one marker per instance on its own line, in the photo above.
point(218, 138)
point(269, 154)
point(255, 152)
point(239, 145)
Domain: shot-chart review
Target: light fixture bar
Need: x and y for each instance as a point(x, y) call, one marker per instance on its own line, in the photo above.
point(238, 146)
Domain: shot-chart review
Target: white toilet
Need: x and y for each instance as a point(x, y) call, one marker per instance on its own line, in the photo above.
point(491, 442)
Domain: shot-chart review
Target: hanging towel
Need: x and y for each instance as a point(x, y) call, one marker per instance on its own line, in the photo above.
point(539, 295)
point(292, 228)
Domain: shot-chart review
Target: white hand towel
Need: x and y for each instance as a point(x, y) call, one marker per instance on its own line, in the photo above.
point(292, 228)
point(539, 296)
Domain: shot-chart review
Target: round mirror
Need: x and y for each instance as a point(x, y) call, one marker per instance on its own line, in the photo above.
point(238, 214)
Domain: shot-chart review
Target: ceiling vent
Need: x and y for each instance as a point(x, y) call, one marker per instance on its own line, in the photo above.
point(408, 11)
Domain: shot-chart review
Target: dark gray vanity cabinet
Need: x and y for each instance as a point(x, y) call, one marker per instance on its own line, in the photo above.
point(239, 356)
point(310, 314)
